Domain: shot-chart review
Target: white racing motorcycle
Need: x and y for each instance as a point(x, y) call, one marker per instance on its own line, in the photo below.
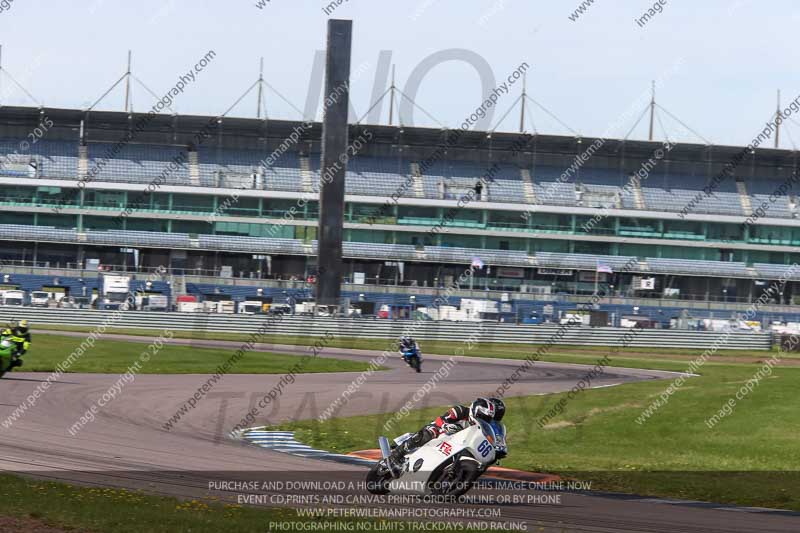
point(448, 465)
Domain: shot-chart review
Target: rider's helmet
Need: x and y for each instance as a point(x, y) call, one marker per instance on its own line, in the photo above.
point(481, 409)
point(406, 340)
point(499, 408)
point(22, 326)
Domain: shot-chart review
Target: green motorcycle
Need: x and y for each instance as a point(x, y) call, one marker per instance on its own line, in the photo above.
point(9, 347)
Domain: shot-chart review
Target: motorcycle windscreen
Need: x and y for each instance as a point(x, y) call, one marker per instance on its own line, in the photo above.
point(499, 435)
point(488, 430)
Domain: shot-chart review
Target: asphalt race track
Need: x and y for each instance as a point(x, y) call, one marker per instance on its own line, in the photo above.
point(127, 445)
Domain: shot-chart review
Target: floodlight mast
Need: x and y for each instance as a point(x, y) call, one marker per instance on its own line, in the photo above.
point(260, 87)
point(777, 121)
point(128, 83)
point(391, 99)
point(522, 101)
point(652, 108)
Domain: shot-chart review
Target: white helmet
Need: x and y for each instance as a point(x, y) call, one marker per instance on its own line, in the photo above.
point(481, 409)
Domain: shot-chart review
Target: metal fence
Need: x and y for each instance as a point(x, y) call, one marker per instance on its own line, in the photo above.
point(306, 326)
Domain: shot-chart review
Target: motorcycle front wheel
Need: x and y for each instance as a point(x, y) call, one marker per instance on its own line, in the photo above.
point(456, 481)
point(377, 482)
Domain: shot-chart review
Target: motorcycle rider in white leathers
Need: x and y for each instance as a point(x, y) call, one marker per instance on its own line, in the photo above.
point(454, 420)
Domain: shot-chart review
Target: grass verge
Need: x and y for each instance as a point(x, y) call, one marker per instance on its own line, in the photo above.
point(487, 349)
point(112, 356)
point(101, 509)
point(748, 458)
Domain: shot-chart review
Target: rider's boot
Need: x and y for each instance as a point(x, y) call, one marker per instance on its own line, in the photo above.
point(15, 361)
point(397, 457)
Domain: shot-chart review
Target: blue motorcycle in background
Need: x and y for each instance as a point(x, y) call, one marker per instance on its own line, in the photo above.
point(413, 358)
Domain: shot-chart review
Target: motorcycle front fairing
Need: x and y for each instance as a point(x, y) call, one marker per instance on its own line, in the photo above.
point(408, 354)
point(473, 442)
point(501, 449)
point(7, 348)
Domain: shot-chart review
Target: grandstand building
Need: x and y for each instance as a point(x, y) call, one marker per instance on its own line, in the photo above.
point(543, 215)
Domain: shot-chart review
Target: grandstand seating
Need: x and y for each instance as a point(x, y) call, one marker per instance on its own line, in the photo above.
point(585, 261)
point(37, 233)
point(134, 162)
point(142, 238)
point(383, 176)
point(56, 159)
point(697, 267)
point(770, 271)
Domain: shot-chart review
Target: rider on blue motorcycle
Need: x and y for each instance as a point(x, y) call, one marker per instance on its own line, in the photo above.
point(408, 344)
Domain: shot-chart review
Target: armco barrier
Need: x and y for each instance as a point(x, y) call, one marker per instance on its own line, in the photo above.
point(303, 326)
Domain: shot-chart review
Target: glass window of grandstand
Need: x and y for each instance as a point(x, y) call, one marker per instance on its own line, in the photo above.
point(194, 227)
point(414, 215)
point(243, 206)
point(19, 195)
point(637, 250)
point(639, 227)
point(595, 248)
point(372, 213)
point(362, 235)
point(731, 255)
point(505, 219)
point(247, 229)
point(9, 217)
point(763, 256)
point(724, 232)
point(101, 223)
point(774, 235)
point(106, 199)
point(459, 241)
point(142, 201)
point(684, 229)
point(414, 239)
point(551, 222)
point(280, 208)
point(192, 203)
point(464, 218)
point(506, 243)
point(548, 245)
point(56, 196)
point(312, 209)
point(599, 224)
point(159, 201)
point(146, 224)
point(280, 231)
point(305, 233)
point(236, 228)
point(57, 221)
point(684, 252)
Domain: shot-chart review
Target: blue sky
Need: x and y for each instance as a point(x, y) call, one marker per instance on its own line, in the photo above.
point(734, 55)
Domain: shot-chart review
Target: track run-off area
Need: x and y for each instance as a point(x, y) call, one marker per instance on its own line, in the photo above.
point(127, 445)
